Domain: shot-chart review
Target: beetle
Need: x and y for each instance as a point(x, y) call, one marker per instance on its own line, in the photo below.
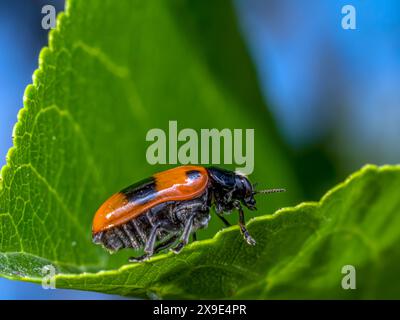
point(162, 211)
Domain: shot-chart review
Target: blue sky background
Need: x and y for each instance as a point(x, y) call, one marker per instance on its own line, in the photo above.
point(334, 88)
point(324, 82)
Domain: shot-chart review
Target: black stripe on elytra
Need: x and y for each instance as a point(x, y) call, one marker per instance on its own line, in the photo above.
point(141, 192)
point(193, 174)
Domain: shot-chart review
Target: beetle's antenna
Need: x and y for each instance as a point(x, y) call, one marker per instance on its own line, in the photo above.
point(269, 191)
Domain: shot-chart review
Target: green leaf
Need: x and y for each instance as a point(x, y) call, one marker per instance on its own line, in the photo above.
point(113, 71)
point(300, 252)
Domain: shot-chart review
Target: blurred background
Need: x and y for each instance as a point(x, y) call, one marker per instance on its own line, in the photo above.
point(334, 93)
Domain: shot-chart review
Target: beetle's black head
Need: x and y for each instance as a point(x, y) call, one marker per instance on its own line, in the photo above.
point(229, 186)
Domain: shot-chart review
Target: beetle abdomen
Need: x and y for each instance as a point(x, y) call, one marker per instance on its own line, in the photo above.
point(132, 234)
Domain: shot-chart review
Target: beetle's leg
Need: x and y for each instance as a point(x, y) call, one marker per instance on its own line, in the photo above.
point(226, 222)
point(149, 246)
point(185, 235)
point(242, 225)
point(194, 236)
point(166, 244)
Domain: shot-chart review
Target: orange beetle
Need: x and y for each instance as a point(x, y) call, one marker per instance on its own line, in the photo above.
point(165, 209)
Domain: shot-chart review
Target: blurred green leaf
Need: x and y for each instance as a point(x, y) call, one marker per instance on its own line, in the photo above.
point(113, 71)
